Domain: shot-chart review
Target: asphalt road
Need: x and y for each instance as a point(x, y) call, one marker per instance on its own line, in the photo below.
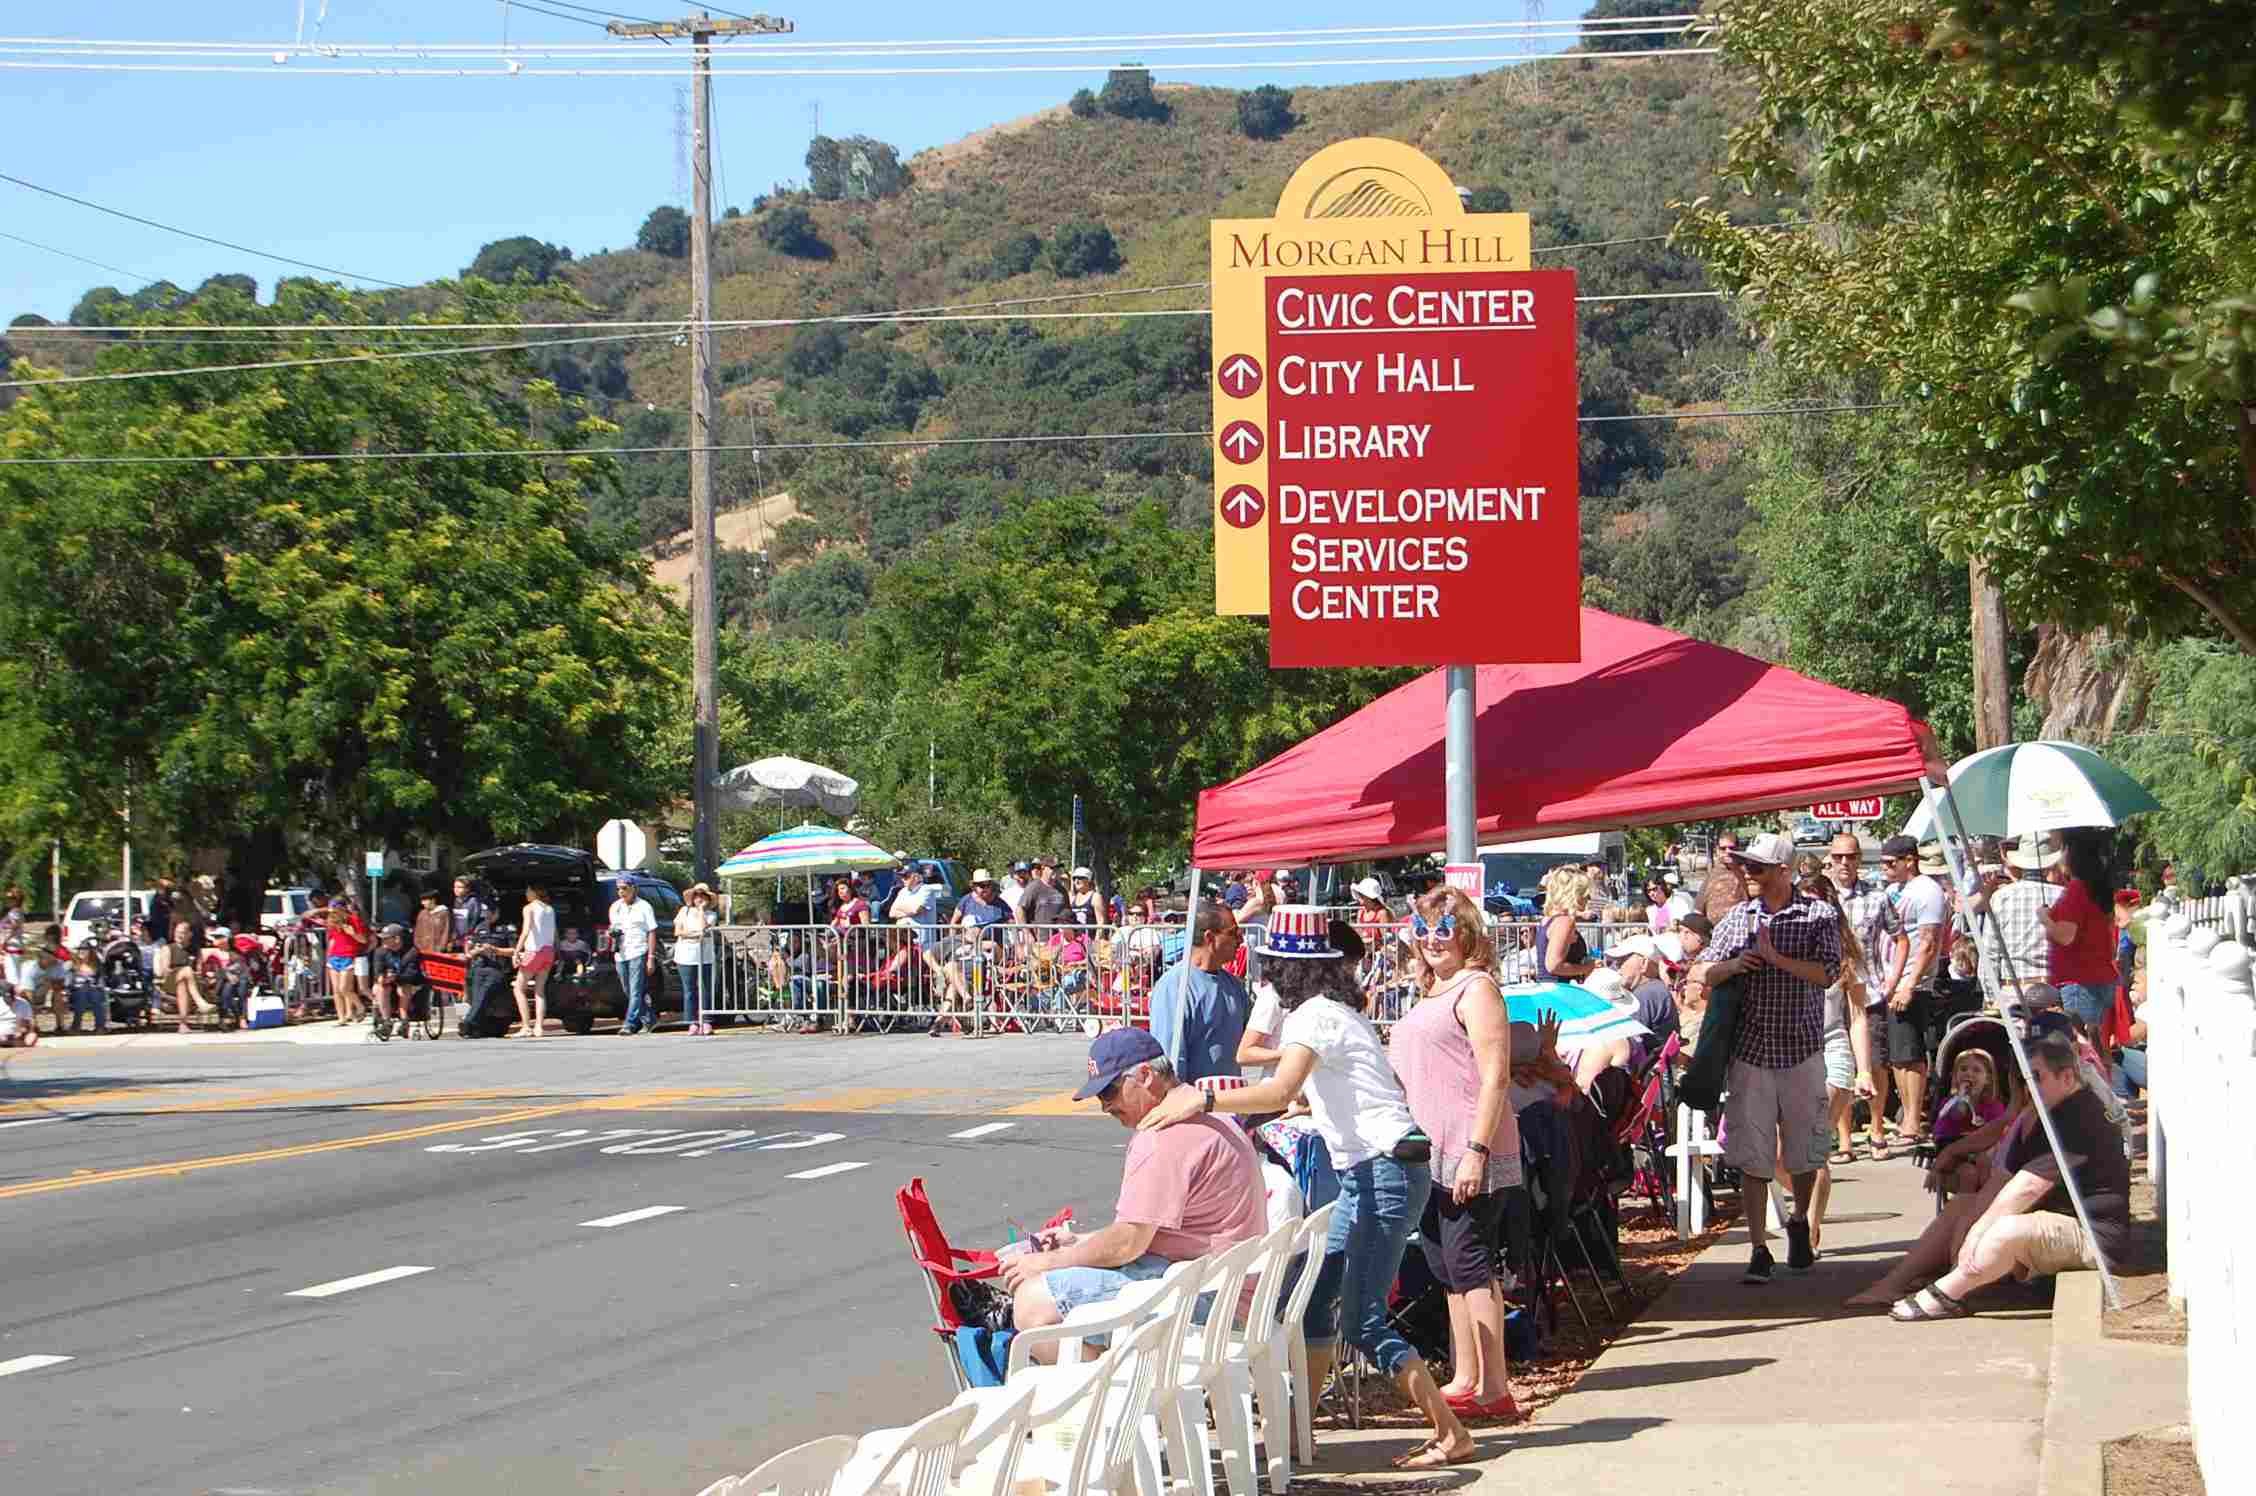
point(365, 1268)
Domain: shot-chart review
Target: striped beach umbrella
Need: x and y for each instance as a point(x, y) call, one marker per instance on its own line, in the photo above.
point(1585, 1018)
point(805, 851)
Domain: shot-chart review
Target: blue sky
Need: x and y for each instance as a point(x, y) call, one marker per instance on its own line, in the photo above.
point(404, 179)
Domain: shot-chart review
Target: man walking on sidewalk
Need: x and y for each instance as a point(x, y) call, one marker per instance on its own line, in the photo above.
point(1787, 946)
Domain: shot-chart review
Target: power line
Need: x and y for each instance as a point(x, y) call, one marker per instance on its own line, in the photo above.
point(1170, 65)
point(205, 238)
point(557, 14)
point(118, 376)
point(826, 446)
point(82, 259)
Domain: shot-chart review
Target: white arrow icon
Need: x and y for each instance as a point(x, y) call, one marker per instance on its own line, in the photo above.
point(1242, 507)
point(1241, 375)
point(1243, 441)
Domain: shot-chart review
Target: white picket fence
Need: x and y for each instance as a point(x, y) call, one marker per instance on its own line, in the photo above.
point(2201, 1054)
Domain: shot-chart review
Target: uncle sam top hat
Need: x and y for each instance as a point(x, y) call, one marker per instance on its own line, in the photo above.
point(1300, 932)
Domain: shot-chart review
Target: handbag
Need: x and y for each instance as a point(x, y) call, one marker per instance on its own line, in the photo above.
point(1414, 1148)
point(1702, 1085)
point(979, 1302)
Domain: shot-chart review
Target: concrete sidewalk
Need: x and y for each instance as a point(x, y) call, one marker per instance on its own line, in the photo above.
point(1727, 1390)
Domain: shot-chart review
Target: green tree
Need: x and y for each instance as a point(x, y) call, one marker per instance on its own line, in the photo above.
point(1016, 255)
point(241, 285)
point(505, 260)
point(2197, 753)
point(273, 654)
point(100, 307)
point(1079, 249)
point(2109, 475)
point(792, 231)
point(1265, 113)
point(1490, 200)
point(820, 599)
point(1127, 94)
point(665, 232)
point(1609, 38)
point(1083, 104)
point(858, 168)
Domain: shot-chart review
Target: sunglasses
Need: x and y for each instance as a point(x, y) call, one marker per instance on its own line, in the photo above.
point(1445, 927)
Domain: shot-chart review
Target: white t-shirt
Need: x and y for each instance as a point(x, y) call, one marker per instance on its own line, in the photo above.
point(15, 1017)
point(1923, 904)
point(1353, 1096)
point(1679, 905)
point(1267, 1017)
point(539, 926)
point(689, 936)
point(632, 925)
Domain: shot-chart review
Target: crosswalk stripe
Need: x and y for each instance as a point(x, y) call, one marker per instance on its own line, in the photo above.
point(825, 1171)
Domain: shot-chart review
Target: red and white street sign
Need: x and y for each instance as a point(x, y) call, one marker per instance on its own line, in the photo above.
point(1465, 877)
point(1243, 506)
point(1423, 487)
point(1240, 377)
point(1867, 809)
point(1240, 441)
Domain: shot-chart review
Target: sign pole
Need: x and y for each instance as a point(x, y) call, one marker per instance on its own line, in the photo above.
point(1458, 768)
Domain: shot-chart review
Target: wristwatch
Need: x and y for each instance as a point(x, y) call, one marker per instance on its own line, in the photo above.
point(1209, 1107)
point(1479, 1148)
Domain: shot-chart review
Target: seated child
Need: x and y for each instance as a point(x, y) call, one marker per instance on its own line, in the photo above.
point(88, 994)
point(1973, 1103)
point(18, 1029)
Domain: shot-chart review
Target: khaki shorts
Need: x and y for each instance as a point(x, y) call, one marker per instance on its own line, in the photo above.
point(2051, 1243)
point(1763, 1108)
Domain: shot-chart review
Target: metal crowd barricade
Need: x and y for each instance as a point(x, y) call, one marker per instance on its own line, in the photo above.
point(883, 978)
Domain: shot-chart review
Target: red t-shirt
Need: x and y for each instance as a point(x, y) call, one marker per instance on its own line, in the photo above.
point(1197, 1185)
point(2090, 959)
point(347, 936)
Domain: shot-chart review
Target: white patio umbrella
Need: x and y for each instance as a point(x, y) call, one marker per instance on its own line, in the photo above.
point(2021, 789)
point(793, 782)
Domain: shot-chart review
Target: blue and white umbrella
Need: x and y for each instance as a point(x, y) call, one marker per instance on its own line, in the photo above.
point(2022, 789)
point(805, 851)
point(1585, 1018)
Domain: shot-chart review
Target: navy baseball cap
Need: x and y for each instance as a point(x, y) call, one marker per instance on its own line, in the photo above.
point(1115, 1054)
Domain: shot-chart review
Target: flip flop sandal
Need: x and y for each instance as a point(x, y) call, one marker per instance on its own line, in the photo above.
point(1911, 1310)
point(1845, 1156)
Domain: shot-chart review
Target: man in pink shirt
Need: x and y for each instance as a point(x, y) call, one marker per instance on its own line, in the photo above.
point(1185, 1192)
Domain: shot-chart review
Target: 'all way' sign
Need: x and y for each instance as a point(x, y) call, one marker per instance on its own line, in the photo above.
point(1395, 423)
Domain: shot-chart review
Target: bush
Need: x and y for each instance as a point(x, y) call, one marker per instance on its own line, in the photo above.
point(791, 231)
point(505, 259)
point(1083, 249)
point(1083, 104)
point(1128, 94)
point(1014, 256)
point(1265, 113)
point(1488, 200)
point(665, 232)
point(857, 168)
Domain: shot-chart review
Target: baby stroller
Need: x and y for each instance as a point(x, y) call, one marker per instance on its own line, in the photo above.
point(131, 993)
point(1983, 1031)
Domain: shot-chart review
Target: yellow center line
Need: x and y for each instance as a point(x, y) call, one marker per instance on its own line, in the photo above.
point(307, 1150)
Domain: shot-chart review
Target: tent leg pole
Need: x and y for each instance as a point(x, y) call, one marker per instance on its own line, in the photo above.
point(1956, 845)
point(1458, 764)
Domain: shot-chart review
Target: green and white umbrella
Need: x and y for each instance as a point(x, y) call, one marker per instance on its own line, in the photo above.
point(2023, 789)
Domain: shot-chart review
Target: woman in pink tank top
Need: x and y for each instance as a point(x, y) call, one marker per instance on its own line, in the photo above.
point(1453, 1054)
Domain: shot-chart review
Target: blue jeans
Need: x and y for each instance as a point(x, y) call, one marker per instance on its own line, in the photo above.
point(2130, 1072)
point(692, 987)
point(1380, 1201)
point(634, 974)
point(2088, 1004)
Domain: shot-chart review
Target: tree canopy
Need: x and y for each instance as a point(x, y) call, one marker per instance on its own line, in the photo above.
point(505, 260)
point(665, 232)
point(858, 168)
point(2059, 298)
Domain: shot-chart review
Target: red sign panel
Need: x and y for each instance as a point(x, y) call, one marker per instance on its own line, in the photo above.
point(1867, 809)
point(1423, 484)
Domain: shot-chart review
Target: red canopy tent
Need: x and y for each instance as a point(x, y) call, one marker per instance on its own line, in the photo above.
point(1650, 727)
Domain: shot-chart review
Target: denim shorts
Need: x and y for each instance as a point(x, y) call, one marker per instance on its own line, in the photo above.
point(1072, 1287)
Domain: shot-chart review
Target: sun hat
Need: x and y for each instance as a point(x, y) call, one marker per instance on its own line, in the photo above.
point(1300, 932)
point(2033, 859)
point(980, 875)
point(1931, 858)
point(694, 890)
point(1082, 872)
point(1605, 982)
point(1771, 849)
point(1669, 948)
point(1369, 888)
point(1635, 945)
point(1115, 1054)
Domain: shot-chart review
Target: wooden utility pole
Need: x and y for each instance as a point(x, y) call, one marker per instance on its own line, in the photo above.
point(1993, 688)
point(700, 29)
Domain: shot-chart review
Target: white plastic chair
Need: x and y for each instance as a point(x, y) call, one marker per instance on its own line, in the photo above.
point(925, 1457)
point(994, 1443)
point(1105, 1418)
point(1215, 1373)
point(1317, 1233)
point(1267, 1347)
point(808, 1470)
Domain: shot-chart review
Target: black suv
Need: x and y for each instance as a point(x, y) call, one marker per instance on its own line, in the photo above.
point(583, 986)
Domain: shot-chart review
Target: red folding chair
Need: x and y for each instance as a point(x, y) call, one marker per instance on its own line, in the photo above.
point(943, 1263)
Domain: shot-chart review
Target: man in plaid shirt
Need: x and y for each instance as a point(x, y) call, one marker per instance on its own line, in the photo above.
point(2016, 923)
point(1786, 946)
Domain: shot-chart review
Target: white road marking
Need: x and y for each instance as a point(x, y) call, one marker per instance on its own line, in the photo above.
point(629, 1217)
point(983, 1129)
point(30, 1122)
point(29, 1363)
point(825, 1171)
point(363, 1280)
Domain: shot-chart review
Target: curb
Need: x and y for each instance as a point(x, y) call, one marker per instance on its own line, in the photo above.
point(2100, 1390)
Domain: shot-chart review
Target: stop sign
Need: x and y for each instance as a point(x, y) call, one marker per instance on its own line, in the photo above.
point(621, 845)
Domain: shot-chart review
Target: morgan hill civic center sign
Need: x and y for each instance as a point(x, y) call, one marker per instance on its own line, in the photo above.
point(1395, 476)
